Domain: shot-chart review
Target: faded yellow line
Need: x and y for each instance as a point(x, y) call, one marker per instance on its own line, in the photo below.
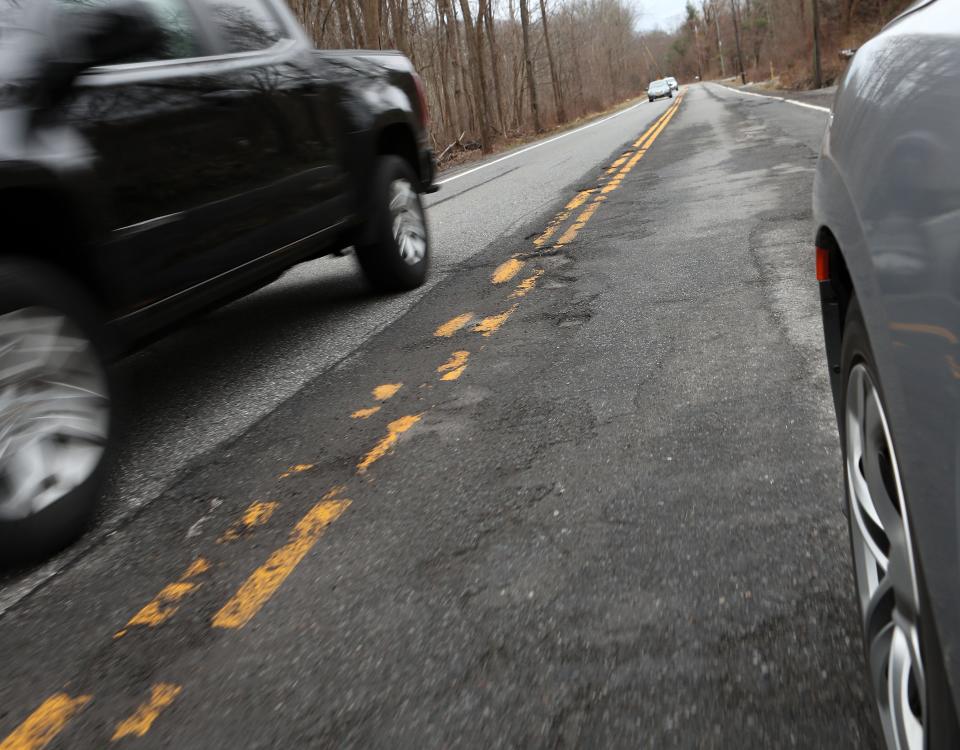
point(139, 722)
point(295, 469)
point(365, 413)
point(613, 167)
point(525, 286)
point(257, 514)
point(659, 121)
point(394, 430)
point(453, 368)
point(578, 200)
point(45, 723)
point(506, 270)
point(163, 606)
point(453, 325)
point(386, 391)
point(646, 139)
point(585, 216)
point(265, 580)
point(493, 323)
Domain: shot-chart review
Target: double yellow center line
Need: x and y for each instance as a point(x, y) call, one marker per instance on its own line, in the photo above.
point(624, 164)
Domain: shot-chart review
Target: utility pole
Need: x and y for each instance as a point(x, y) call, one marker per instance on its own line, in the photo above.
point(736, 36)
point(817, 73)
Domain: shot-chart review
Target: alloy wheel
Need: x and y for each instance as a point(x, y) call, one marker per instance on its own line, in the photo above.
point(54, 410)
point(409, 228)
point(884, 566)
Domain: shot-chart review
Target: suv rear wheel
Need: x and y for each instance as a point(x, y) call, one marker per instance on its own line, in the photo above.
point(396, 256)
point(55, 410)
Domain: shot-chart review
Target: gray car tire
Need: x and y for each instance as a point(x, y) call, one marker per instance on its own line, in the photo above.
point(941, 728)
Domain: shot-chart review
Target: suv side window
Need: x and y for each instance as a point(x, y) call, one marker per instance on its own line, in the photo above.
point(246, 25)
point(176, 21)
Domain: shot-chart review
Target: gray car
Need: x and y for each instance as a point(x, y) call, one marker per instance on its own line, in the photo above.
point(887, 207)
point(657, 89)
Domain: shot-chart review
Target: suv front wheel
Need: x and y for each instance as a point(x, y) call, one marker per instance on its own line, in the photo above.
point(395, 254)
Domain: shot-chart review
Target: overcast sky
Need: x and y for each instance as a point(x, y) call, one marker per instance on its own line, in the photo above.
point(662, 14)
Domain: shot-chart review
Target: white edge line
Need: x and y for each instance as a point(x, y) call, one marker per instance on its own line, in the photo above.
point(537, 145)
point(779, 99)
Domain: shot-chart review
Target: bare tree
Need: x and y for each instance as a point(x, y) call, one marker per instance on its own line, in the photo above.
point(528, 66)
point(554, 77)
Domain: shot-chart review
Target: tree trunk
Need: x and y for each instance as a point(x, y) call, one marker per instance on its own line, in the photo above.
point(470, 117)
point(478, 79)
point(453, 59)
point(817, 74)
point(370, 9)
point(346, 33)
point(716, 20)
point(554, 75)
point(528, 64)
point(357, 25)
point(485, 135)
point(736, 36)
point(495, 65)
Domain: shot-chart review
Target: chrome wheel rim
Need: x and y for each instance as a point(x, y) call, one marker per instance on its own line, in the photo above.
point(884, 566)
point(409, 229)
point(54, 410)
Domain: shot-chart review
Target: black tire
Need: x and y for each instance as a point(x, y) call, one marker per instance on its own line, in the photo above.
point(380, 256)
point(942, 726)
point(650, 98)
point(26, 284)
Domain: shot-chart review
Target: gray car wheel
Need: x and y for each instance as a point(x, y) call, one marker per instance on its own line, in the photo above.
point(884, 564)
point(904, 662)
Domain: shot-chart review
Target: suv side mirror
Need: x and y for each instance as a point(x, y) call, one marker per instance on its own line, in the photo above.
point(83, 38)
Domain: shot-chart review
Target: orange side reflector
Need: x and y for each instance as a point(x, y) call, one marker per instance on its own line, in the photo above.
point(823, 264)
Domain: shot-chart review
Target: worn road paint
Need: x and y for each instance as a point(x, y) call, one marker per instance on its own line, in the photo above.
point(506, 270)
point(365, 413)
point(493, 323)
point(45, 723)
point(567, 237)
point(613, 167)
point(163, 606)
point(453, 325)
point(578, 200)
point(649, 131)
point(525, 286)
point(265, 580)
point(295, 469)
point(257, 514)
point(646, 139)
point(139, 722)
point(453, 368)
point(386, 391)
point(394, 430)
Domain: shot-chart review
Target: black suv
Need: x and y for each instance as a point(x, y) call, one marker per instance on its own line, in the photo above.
point(158, 158)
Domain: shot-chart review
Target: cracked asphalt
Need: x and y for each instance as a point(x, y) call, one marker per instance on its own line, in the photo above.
point(600, 509)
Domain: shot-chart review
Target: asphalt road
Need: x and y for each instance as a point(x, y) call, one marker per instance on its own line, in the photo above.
point(582, 490)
